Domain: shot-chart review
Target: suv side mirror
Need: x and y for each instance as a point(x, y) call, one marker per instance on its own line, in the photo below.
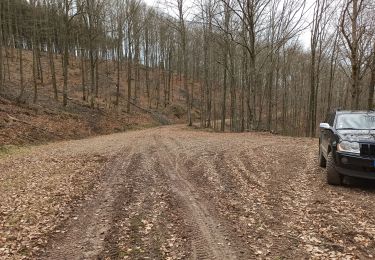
point(324, 126)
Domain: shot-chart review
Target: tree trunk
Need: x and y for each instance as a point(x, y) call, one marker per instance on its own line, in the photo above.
point(170, 90)
point(1, 53)
point(147, 76)
point(12, 44)
point(22, 85)
point(96, 75)
point(83, 75)
point(224, 98)
point(66, 53)
point(270, 86)
point(332, 72)
point(136, 72)
point(233, 94)
point(35, 83)
point(312, 102)
point(129, 72)
point(53, 70)
point(34, 50)
point(185, 59)
point(119, 55)
point(92, 76)
point(372, 82)
point(39, 62)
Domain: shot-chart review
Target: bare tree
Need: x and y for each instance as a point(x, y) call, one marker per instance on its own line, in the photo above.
point(318, 35)
point(372, 81)
point(222, 59)
point(68, 13)
point(357, 41)
point(1, 49)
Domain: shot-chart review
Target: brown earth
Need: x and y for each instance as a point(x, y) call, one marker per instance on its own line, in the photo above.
point(176, 193)
point(30, 124)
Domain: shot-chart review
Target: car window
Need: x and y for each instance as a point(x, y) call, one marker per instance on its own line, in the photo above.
point(363, 121)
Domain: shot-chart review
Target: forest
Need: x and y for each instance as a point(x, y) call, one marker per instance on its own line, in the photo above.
point(236, 65)
point(187, 129)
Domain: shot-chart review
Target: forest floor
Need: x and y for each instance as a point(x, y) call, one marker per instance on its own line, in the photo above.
point(25, 122)
point(177, 193)
point(33, 124)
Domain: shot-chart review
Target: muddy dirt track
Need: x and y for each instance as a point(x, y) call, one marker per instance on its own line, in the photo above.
point(177, 193)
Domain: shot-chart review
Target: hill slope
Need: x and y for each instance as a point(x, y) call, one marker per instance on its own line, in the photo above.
point(23, 122)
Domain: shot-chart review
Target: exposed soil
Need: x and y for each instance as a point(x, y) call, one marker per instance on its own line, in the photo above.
point(175, 193)
point(25, 124)
point(24, 121)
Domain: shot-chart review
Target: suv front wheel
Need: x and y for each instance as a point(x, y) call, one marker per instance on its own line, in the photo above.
point(333, 177)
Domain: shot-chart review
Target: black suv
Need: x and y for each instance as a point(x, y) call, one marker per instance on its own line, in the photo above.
point(347, 145)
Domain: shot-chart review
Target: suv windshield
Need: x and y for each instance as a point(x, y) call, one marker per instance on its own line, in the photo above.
point(356, 121)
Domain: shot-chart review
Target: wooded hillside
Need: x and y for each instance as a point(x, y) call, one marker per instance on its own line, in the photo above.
point(237, 60)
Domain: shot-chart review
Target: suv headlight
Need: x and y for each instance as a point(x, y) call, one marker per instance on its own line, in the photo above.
point(349, 147)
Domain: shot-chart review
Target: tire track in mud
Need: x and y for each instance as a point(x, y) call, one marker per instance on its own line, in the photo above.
point(287, 199)
point(262, 194)
point(284, 196)
point(229, 189)
point(83, 235)
point(147, 221)
point(256, 193)
point(208, 242)
point(125, 196)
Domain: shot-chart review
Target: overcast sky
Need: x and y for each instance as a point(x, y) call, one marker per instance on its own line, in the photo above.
point(305, 36)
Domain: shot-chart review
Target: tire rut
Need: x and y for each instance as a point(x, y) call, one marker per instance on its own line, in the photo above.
point(208, 241)
point(185, 195)
point(84, 233)
point(124, 197)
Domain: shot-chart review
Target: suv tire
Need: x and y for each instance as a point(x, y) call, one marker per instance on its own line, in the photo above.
point(322, 160)
point(333, 177)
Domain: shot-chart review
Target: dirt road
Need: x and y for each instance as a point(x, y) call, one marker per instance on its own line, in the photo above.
point(176, 193)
